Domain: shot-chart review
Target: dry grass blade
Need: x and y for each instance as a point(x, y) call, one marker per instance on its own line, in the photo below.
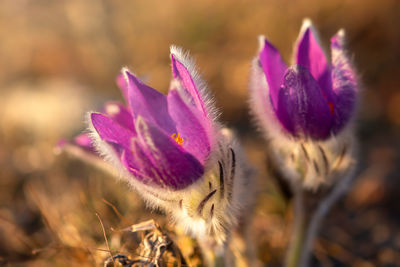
point(104, 233)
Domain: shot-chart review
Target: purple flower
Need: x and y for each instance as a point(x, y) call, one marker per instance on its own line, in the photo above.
point(173, 151)
point(306, 109)
point(312, 98)
point(162, 140)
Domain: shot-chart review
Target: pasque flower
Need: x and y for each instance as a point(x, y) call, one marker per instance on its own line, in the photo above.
point(173, 151)
point(306, 109)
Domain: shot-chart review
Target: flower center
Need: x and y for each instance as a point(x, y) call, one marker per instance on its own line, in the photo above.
point(177, 138)
point(330, 107)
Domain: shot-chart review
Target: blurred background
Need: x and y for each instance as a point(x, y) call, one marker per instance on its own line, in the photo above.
point(59, 59)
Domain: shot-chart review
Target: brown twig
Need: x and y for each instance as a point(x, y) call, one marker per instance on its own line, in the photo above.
point(104, 234)
point(117, 212)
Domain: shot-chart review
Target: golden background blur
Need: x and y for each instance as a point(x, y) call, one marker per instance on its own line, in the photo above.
point(59, 59)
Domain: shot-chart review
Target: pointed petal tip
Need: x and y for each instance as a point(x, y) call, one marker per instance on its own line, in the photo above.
point(94, 119)
point(175, 72)
point(338, 40)
point(109, 130)
point(306, 24)
point(94, 115)
point(266, 46)
point(125, 70)
point(309, 52)
point(341, 32)
point(131, 78)
point(261, 42)
point(174, 50)
point(126, 73)
point(178, 56)
point(186, 78)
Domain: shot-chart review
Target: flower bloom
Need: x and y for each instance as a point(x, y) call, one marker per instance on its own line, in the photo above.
point(173, 151)
point(306, 109)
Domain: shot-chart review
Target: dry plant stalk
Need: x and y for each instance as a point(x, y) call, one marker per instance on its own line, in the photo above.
point(155, 250)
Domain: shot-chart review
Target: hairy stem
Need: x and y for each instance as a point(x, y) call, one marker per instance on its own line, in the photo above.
point(296, 247)
point(242, 252)
point(239, 250)
point(308, 220)
point(213, 253)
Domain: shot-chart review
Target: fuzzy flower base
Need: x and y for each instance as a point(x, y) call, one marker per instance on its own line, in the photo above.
point(173, 151)
point(306, 110)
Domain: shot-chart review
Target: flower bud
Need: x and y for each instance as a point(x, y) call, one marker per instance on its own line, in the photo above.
point(306, 109)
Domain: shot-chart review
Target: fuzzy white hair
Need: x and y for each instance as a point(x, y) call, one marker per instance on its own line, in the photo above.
point(312, 163)
point(212, 205)
point(205, 94)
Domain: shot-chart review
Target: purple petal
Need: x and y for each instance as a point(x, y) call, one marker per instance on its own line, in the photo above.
point(344, 82)
point(111, 131)
point(82, 148)
point(120, 114)
point(84, 141)
point(309, 54)
point(302, 108)
point(274, 69)
point(182, 74)
point(138, 164)
point(175, 167)
point(148, 103)
point(151, 172)
point(193, 126)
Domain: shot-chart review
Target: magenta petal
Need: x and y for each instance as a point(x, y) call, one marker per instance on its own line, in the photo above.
point(344, 82)
point(152, 174)
point(137, 163)
point(182, 74)
point(120, 114)
point(148, 103)
point(192, 126)
point(176, 167)
point(302, 108)
point(310, 55)
point(274, 69)
point(81, 141)
point(84, 141)
point(111, 131)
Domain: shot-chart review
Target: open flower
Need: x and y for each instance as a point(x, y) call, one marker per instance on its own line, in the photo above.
point(172, 150)
point(306, 109)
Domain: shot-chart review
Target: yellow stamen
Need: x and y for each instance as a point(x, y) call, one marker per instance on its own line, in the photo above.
point(177, 138)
